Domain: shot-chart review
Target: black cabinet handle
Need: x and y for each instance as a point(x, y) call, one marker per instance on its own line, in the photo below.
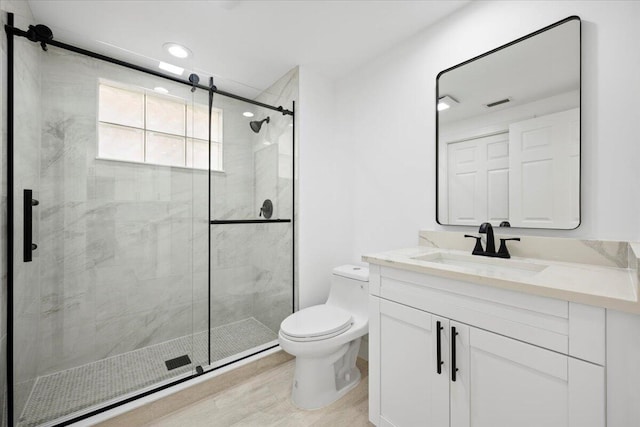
point(453, 354)
point(439, 361)
point(28, 203)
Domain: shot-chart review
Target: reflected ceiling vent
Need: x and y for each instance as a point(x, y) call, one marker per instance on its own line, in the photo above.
point(496, 103)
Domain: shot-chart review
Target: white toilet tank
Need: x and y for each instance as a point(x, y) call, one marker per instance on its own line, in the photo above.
point(350, 289)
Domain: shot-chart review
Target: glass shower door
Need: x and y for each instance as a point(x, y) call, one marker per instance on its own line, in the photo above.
point(116, 288)
point(251, 231)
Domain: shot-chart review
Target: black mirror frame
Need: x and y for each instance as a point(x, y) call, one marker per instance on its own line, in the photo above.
point(563, 21)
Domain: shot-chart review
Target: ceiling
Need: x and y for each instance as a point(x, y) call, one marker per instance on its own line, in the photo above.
point(252, 42)
point(536, 68)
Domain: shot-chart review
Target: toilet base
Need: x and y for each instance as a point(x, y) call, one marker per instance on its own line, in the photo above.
point(318, 382)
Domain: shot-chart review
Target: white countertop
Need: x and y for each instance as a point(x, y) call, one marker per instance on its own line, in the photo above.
point(609, 287)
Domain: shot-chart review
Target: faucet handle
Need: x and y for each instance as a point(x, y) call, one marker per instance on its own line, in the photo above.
point(477, 250)
point(503, 252)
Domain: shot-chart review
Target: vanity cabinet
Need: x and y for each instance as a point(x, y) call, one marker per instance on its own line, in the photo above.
point(421, 326)
point(505, 382)
point(406, 346)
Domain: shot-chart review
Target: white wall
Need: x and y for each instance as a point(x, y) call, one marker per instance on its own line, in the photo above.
point(623, 376)
point(387, 118)
point(324, 190)
point(387, 112)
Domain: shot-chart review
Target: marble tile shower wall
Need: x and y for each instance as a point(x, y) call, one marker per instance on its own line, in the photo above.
point(232, 275)
point(124, 246)
point(251, 264)
point(122, 257)
point(117, 241)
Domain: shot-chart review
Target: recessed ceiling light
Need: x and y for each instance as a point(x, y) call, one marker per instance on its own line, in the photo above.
point(445, 102)
point(177, 50)
point(247, 114)
point(160, 89)
point(171, 68)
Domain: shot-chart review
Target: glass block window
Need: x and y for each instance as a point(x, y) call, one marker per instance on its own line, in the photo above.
point(139, 126)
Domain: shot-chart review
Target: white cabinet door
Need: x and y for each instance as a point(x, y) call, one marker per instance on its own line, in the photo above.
point(503, 382)
point(406, 389)
point(460, 383)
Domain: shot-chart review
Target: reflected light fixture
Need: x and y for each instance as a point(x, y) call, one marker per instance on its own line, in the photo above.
point(160, 89)
point(171, 68)
point(247, 114)
point(445, 102)
point(177, 50)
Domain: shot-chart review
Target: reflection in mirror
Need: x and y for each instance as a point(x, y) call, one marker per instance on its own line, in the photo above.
point(508, 138)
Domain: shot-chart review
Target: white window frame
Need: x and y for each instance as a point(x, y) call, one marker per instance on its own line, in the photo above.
point(216, 137)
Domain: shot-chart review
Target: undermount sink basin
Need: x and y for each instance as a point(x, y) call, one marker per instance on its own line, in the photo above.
point(484, 265)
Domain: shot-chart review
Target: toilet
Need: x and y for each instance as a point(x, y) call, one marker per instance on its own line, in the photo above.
point(325, 340)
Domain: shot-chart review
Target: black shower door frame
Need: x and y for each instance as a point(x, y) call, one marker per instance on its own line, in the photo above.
point(12, 32)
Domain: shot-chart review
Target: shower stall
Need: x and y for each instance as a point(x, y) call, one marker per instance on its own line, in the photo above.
point(150, 227)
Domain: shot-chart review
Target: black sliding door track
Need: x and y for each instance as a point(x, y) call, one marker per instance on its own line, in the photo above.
point(11, 30)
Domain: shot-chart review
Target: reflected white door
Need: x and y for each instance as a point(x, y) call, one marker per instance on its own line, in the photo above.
point(545, 171)
point(478, 180)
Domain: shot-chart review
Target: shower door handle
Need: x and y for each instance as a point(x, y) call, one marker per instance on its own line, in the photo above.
point(29, 202)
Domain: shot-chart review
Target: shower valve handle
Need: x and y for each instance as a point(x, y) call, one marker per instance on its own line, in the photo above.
point(267, 209)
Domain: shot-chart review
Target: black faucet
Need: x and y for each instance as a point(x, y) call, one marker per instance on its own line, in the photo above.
point(490, 250)
point(486, 228)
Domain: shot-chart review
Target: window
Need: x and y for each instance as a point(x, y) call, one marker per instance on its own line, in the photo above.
point(138, 126)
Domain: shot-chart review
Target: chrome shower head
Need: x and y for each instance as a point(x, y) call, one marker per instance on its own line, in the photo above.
point(256, 125)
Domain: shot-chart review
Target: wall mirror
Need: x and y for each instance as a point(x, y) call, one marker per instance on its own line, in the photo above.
point(508, 133)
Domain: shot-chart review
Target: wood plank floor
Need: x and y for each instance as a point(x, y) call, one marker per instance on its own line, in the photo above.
point(265, 400)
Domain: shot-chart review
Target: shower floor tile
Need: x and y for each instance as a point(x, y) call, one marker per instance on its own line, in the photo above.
point(65, 392)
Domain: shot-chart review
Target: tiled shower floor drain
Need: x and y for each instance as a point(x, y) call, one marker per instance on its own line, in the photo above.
point(65, 392)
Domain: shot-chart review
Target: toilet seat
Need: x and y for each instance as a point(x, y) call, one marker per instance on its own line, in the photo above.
point(316, 323)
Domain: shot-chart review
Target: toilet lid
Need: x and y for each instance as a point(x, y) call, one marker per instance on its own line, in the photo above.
point(316, 321)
